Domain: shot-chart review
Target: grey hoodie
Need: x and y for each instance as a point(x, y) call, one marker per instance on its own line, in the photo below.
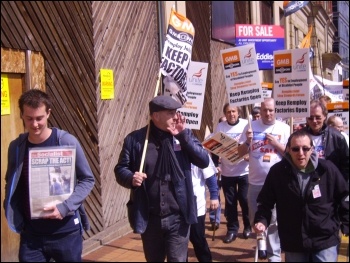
point(303, 176)
point(84, 177)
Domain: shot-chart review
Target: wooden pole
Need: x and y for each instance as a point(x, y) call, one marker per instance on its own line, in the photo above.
point(149, 120)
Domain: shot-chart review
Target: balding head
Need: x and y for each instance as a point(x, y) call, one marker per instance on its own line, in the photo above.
point(336, 122)
point(267, 111)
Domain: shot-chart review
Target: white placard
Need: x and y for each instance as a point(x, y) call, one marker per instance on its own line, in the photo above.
point(241, 73)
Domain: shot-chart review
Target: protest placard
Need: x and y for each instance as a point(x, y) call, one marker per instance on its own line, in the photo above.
point(196, 82)
point(291, 83)
point(241, 73)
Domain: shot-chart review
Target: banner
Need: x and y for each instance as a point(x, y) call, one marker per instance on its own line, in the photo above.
point(196, 82)
point(267, 89)
point(241, 73)
point(290, 7)
point(340, 109)
point(177, 54)
point(291, 83)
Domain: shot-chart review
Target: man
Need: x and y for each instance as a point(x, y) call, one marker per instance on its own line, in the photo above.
point(58, 235)
point(200, 178)
point(234, 177)
point(265, 141)
point(324, 99)
point(312, 203)
point(337, 123)
point(329, 143)
point(162, 204)
point(256, 113)
point(214, 215)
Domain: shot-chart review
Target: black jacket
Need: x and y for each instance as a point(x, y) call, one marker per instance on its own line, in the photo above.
point(305, 224)
point(129, 163)
point(335, 148)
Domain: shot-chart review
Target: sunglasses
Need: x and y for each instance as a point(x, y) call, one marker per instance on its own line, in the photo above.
point(297, 149)
point(311, 118)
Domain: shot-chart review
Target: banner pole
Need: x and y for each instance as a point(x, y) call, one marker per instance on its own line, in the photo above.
point(149, 120)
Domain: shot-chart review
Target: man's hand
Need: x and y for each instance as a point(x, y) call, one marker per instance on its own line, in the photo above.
point(55, 213)
point(138, 178)
point(259, 227)
point(249, 135)
point(214, 204)
point(179, 124)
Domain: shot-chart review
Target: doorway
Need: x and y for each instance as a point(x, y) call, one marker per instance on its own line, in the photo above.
point(11, 127)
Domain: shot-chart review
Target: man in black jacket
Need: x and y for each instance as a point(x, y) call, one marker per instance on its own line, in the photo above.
point(328, 142)
point(162, 204)
point(312, 203)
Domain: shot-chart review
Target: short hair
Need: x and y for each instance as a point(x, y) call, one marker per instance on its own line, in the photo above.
point(256, 110)
point(227, 104)
point(34, 98)
point(297, 134)
point(317, 103)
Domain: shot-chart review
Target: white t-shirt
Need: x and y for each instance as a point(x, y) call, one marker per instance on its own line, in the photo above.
point(262, 155)
point(198, 180)
point(318, 145)
point(227, 168)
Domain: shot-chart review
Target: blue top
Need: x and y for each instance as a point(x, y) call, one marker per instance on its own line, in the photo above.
point(16, 153)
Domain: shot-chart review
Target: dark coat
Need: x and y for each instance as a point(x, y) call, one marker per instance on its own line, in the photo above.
point(129, 163)
point(335, 148)
point(305, 223)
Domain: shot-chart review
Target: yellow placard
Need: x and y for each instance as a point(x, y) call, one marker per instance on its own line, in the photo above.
point(107, 84)
point(5, 95)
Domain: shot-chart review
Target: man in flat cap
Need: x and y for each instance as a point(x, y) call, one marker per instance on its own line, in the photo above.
point(162, 204)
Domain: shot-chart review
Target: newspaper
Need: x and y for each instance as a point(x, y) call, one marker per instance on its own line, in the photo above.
point(51, 177)
point(223, 146)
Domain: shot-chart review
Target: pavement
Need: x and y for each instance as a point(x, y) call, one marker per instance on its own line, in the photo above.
point(128, 248)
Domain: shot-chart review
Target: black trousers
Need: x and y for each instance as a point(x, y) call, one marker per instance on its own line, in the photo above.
point(199, 242)
point(235, 190)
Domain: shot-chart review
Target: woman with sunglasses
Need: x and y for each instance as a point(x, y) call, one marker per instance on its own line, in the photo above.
point(312, 203)
point(328, 142)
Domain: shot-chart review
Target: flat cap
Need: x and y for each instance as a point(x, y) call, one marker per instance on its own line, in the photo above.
point(163, 102)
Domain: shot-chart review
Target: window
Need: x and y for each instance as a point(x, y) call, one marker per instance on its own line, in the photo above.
point(296, 37)
point(223, 21)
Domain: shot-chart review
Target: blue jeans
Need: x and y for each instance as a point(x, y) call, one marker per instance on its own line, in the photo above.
point(235, 190)
point(273, 245)
point(199, 241)
point(66, 247)
point(325, 255)
point(166, 237)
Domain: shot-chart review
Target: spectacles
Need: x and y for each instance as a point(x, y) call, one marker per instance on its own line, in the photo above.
point(297, 149)
point(311, 118)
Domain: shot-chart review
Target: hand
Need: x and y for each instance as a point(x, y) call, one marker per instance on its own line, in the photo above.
point(138, 178)
point(259, 227)
point(249, 135)
point(179, 124)
point(55, 213)
point(214, 204)
point(246, 157)
point(271, 139)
